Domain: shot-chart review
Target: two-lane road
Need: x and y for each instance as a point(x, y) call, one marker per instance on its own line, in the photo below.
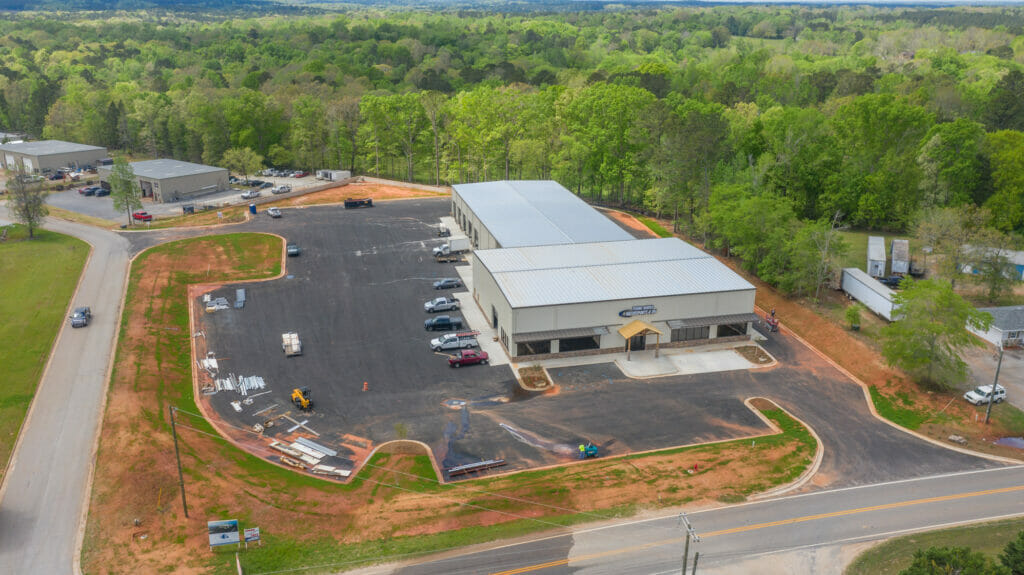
point(733, 534)
point(46, 489)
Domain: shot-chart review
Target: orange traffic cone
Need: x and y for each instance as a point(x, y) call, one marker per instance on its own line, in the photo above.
point(366, 386)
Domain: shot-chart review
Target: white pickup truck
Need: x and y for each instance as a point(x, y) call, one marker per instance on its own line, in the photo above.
point(443, 303)
point(290, 344)
point(463, 340)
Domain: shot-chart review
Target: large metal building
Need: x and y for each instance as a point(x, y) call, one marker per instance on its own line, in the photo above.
point(173, 180)
point(49, 155)
point(575, 283)
point(515, 214)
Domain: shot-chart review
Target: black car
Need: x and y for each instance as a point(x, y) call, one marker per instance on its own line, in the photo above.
point(102, 192)
point(443, 323)
point(891, 281)
point(293, 249)
point(447, 283)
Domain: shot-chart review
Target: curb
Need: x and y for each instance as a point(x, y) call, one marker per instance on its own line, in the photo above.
point(871, 406)
point(808, 473)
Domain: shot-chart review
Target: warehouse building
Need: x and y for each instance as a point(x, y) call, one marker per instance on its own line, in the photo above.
point(610, 296)
point(515, 214)
point(174, 180)
point(48, 155)
point(563, 279)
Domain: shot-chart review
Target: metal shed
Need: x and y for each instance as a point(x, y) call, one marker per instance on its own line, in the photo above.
point(900, 256)
point(876, 256)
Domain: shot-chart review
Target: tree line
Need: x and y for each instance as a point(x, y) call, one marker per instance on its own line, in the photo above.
point(758, 129)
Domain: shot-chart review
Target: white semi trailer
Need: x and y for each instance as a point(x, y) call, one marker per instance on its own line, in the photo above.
point(868, 291)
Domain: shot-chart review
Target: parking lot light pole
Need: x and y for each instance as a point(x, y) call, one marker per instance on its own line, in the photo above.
point(995, 384)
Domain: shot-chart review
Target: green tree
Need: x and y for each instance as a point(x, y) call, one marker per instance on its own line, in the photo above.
point(124, 188)
point(928, 334)
point(952, 560)
point(950, 232)
point(951, 163)
point(1012, 556)
point(28, 200)
point(1007, 201)
point(853, 315)
point(243, 161)
point(990, 259)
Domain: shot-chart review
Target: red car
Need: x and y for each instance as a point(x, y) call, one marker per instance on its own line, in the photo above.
point(142, 216)
point(467, 357)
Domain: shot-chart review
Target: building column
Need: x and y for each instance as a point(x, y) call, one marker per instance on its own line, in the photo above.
point(554, 345)
point(713, 332)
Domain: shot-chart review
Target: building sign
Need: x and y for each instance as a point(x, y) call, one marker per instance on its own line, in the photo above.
point(638, 310)
point(223, 532)
point(252, 534)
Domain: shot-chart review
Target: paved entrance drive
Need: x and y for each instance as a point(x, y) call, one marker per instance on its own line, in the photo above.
point(356, 295)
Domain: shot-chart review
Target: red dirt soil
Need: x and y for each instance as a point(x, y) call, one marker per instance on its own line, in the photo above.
point(136, 477)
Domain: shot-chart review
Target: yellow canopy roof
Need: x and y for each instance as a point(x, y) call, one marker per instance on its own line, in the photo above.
point(637, 326)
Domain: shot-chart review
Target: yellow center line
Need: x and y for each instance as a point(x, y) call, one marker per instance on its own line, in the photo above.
point(756, 526)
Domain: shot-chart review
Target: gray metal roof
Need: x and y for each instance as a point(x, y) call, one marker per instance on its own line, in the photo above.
point(48, 147)
point(165, 168)
point(559, 334)
point(713, 320)
point(537, 213)
point(628, 273)
point(901, 250)
point(876, 248)
point(1008, 318)
point(591, 254)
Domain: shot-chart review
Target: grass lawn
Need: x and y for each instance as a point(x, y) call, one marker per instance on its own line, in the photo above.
point(37, 278)
point(894, 555)
point(857, 248)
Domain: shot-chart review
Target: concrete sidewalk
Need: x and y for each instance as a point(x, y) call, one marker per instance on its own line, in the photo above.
point(672, 361)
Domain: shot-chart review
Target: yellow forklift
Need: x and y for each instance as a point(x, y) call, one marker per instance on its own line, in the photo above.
point(300, 397)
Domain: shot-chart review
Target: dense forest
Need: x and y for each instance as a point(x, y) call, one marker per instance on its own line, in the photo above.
point(761, 115)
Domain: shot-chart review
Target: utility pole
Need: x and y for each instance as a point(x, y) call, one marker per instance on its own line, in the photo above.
point(177, 456)
point(690, 534)
point(995, 384)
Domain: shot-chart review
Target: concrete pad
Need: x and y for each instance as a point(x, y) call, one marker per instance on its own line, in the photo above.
point(710, 361)
point(643, 364)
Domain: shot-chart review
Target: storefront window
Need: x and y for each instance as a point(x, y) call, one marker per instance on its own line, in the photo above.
point(579, 343)
point(691, 333)
point(533, 347)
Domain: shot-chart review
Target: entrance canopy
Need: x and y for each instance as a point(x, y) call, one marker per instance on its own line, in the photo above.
point(637, 327)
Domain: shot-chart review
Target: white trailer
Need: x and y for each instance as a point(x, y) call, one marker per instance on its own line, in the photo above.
point(900, 256)
point(876, 256)
point(333, 175)
point(868, 291)
point(290, 344)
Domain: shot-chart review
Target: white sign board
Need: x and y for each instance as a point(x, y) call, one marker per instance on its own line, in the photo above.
point(252, 534)
point(223, 532)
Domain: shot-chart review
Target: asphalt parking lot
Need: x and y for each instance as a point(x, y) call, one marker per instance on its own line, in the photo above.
point(355, 297)
point(103, 207)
